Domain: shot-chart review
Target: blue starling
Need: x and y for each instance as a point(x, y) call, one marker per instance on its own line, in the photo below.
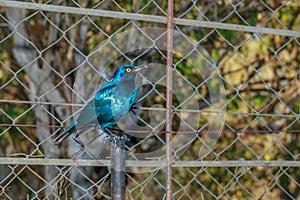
point(110, 104)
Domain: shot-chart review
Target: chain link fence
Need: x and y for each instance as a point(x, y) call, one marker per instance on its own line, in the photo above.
point(218, 106)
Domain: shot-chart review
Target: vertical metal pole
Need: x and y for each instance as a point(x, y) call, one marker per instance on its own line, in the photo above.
point(118, 173)
point(169, 101)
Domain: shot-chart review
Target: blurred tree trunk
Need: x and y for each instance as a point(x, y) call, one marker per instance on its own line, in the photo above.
point(39, 83)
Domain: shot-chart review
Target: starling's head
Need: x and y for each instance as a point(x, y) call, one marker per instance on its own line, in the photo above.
point(127, 70)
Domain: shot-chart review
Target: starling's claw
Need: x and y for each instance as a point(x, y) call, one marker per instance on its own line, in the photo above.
point(112, 138)
point(124, 138)
point(117, 141)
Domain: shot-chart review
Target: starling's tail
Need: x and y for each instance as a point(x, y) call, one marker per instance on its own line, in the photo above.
point(67, 132)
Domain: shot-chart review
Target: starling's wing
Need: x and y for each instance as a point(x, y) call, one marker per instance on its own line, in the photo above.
point(122, 98)
point(98, 108)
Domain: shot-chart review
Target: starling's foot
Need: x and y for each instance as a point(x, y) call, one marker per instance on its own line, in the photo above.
point(116, 140)
point(121, 142)
point(111, 138)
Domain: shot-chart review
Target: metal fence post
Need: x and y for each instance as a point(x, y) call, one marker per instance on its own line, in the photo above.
point(169, 100)
point(118, 172)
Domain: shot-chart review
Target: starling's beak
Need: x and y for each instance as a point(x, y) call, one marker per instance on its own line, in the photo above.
point(139, 68)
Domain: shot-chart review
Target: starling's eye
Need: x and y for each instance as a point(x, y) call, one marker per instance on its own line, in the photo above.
point(128, 69)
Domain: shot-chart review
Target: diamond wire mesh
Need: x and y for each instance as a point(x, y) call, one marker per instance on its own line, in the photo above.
point(43, 53)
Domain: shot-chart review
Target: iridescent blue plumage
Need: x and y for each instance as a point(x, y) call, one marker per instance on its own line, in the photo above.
point(110, 104)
